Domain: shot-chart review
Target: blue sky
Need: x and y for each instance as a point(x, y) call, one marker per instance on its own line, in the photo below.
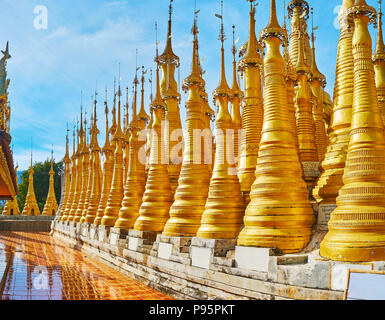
point(86, 39)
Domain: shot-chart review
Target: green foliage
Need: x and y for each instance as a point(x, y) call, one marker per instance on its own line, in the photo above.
point(40, 183)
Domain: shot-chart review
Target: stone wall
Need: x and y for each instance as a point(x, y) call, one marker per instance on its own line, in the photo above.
point(170, 265)
point(26, 223)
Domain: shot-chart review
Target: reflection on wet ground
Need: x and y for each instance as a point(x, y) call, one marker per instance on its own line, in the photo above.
point(43, 268)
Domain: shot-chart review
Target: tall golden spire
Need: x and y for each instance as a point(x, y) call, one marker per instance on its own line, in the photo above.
point(79, 169)
point(115, 198)
point(67, 179)
point(222, 218)
point(30, 207)
point(318, 82)
point(236, 101)
point(108, 167)
point(135, 183)
point(186, 211)
point(357, 225)
point(85, 171)
point(305, 123)
point(142, 116)
point(299, 12)
point(379, 64)
point(277, 216)
point(91, 208)
point(71, 193)
point(169, 92)
point(330, 181)
point(157, 198)
point(252, 112)
point(51, 206)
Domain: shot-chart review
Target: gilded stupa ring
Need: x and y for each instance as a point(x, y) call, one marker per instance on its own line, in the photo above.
point(365, 10)
point(277, 32)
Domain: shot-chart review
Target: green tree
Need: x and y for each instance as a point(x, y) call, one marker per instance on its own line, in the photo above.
point(40, 183)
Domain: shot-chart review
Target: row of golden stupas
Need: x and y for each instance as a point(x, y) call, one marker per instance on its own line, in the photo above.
point(31, 208)
point(290, 159)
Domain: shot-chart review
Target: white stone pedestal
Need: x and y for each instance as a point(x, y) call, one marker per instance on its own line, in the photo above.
point(203, 251)
point(116, 235)
point(172, 248)
point(141, 241)
point(103, 233)
point(252, 258)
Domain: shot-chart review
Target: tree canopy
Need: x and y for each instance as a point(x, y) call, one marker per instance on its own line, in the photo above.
point(40, 183)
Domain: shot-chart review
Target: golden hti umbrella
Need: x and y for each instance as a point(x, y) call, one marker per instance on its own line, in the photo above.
point(108, 167)
point(357, 225)
point(330, 181)
point(252, 111)
point(114, 202)
point(186, 211)
point(157, 198)
point(222, 218)
point(277, 216)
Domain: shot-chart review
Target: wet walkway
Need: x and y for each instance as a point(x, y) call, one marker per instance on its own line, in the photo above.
point(43, 268)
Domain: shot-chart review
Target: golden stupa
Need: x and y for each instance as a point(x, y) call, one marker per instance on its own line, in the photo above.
point(222, 218)
point(330, 181)
point(51, 206)
point(357, 226)
point(186, 211)
point(157, 198)
point(30, 207)
point(252, 111)
point(277, 216)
